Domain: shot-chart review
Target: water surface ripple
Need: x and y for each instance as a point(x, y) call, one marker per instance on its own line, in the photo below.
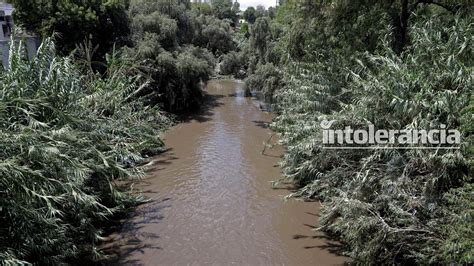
point(212, 198)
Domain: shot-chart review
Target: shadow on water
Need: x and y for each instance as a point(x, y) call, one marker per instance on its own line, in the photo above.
point(262, 124)
point(194, 226)
point(330, 243)
point(131, 238)
point(205, 111)
point(128, 235)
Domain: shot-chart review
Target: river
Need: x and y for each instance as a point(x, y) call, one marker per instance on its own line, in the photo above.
point(212, 199)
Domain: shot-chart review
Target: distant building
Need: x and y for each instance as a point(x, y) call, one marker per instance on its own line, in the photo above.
point(6, 30)
point(201, 1)
point(6, 20)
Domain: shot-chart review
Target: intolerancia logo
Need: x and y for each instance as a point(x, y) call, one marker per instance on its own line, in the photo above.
point(370, 138)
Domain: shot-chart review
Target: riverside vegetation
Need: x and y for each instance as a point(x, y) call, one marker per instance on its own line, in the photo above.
point(89, 111)
point(76, 120)
point(398, 65)
point(65, 137)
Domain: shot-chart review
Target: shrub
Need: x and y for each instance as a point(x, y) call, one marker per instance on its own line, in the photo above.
point(388, 206)
point(65, 138)
point(265, 81)
point(213, 34)
point(230, 64)
point(104, 23)
point(166, 36)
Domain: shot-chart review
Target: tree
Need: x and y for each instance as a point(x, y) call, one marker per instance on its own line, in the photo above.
point(164, 34)
point(260, 11)
point(213, 34)
point(398, 64)
point(104, 22)
point(222, 9)
point(260, 36)
point(399, 12)
point(272, 12)
point(236, 7)
point(250, 15)
point(202, 8)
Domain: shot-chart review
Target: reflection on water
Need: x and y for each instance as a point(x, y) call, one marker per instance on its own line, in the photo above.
point(212, 199)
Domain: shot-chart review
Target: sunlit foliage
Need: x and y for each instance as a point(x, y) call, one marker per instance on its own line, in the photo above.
point(65, 138)
point(353, 62)
point(104, 22)
point(171, 43)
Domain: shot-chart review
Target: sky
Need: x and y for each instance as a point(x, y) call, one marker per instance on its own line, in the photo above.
point(246, 3)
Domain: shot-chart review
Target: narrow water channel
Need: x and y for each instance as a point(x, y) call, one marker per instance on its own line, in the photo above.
point(213, 203)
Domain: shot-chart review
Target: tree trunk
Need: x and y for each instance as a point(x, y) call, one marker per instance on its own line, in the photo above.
point(400, 23)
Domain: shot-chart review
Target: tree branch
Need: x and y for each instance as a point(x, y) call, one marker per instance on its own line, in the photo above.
point(450, 9)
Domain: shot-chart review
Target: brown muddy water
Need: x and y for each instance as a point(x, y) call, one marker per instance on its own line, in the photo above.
point(212, 199)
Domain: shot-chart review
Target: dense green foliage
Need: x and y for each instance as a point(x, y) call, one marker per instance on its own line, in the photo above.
point(265, 81)
point(104, 22)
point(213, 34)
point(65, 138)
point(255, 47)
point(68, 132)
point(250, 15)
point(396, 65)
point(170, 42)
point(174, 45)
point(224, 9)
point(237, 61)
point(231, 64)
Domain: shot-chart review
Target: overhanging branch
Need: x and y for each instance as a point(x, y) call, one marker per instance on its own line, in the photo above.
point(450, 9)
